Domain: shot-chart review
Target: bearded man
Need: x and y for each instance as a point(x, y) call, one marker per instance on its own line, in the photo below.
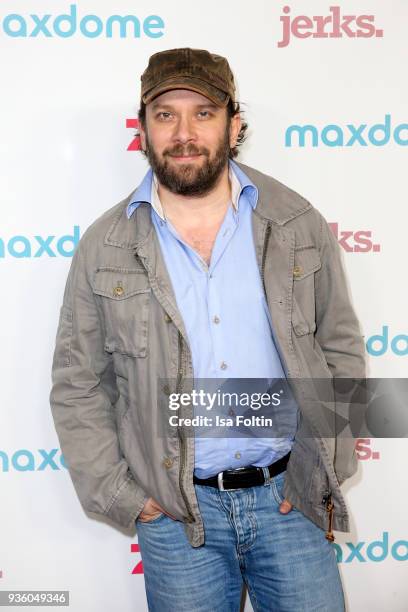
point(209, 269)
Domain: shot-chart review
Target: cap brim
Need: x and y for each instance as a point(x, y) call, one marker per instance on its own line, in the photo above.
point(220, 98)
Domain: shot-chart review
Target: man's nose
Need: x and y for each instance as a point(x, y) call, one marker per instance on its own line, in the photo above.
point(184, 130)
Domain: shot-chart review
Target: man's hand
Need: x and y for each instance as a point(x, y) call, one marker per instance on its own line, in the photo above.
point(152, 510)
point(285, 507)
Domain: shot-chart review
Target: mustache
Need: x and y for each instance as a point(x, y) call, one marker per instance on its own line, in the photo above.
point(184, 151)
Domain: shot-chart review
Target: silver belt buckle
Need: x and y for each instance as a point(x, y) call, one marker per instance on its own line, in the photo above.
point(221, 482)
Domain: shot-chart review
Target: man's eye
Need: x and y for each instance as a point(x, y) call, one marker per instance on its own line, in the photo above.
point(204, 114)
point(163, 115)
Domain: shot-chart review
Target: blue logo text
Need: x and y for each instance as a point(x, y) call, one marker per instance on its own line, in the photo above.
point(334, 135)
point(23, 460)
point(376, 551)
point(37, 246)
point(90, 26)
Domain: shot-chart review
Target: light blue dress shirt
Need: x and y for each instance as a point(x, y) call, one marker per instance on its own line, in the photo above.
point(225, 315)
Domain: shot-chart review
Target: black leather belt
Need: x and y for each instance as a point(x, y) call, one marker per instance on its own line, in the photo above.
point(244, 477)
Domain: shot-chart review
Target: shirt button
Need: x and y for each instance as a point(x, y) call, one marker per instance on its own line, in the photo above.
point(237, 455)
point(231, 412)
point(167, 462)
point(216, 319)
point(166, 390)
point(223, 365)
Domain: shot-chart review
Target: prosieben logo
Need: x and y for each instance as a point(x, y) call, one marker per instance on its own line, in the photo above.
point(334, 25)
point(69, 24)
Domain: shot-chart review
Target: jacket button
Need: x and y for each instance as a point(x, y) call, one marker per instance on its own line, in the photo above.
point(166, 390)
point(297, 271)
point(118, 291)
point(167, 318)
point(167, 462)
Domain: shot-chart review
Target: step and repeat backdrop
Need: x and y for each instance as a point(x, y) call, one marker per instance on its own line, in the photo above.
point(325, 93)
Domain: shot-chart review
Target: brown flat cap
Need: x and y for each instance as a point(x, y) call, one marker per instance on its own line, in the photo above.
point(194, 69)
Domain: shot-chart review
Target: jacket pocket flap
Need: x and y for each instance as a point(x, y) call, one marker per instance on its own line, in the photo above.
point(120, 283)
point(307, 261)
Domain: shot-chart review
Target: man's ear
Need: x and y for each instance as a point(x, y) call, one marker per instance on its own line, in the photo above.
point(142, 135)
point(235, 127)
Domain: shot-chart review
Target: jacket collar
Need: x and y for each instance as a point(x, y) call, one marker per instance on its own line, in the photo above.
point(147, 191)
point(276, 203)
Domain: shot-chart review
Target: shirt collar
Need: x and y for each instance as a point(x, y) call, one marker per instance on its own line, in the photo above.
point(147, 191)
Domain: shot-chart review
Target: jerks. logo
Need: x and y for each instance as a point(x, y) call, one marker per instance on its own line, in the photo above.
point(354, 241)
point(331, 26)
point(364, 450)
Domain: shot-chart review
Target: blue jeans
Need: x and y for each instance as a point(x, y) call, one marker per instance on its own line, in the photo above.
point(285, 560)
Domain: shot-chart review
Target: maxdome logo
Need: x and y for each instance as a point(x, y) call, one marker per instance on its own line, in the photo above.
point(38, 246)
point(68, 24)
point(25, 460)
point(376, 551)
point(377, 345)
point(334, 135)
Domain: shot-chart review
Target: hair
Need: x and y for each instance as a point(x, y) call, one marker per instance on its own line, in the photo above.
point(233, 108)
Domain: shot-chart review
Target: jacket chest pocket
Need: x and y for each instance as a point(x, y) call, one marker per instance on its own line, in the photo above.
point(307, 263)
point(124, 295)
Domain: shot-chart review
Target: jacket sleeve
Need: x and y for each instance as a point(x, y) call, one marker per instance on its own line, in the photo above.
point(82, 398)
point(338, 334)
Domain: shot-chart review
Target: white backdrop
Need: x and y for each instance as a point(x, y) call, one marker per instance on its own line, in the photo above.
point(68, 91)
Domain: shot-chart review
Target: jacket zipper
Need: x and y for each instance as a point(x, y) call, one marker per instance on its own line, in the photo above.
point(181, 441)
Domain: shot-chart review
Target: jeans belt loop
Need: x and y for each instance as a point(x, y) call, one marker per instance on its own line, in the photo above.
point(267, 476)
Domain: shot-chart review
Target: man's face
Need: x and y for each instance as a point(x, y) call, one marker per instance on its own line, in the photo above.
point(187, 140)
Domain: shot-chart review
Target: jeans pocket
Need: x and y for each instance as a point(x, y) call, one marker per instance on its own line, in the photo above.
point(277, 487)
point(277, 484)
point(156, 519)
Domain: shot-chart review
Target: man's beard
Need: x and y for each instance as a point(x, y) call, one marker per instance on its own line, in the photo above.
point(187, 179)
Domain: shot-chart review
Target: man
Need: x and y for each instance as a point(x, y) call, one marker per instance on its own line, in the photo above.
point(209, 269)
